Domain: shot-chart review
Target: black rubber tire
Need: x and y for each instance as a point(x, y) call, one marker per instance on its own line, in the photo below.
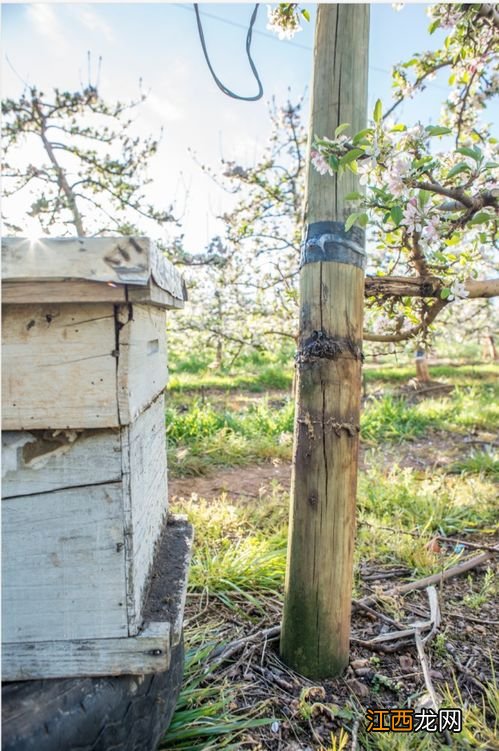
point(125, 713)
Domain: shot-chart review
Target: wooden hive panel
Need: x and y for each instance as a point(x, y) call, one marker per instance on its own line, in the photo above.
point(80, 366)
point(63, 565)
point(144, 467)
point(82, 512)
point(58, 367)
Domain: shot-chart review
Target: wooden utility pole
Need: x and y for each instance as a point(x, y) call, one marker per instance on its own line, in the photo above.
point(316, 623)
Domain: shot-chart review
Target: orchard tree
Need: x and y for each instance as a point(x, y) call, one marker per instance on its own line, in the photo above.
point(431, 190)
point(247, 279)
point(431, 201)
point(72, 160)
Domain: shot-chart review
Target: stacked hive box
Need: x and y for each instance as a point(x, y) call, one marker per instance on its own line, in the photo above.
point(84, 458)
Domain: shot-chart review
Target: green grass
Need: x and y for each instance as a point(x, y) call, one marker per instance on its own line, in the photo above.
point(269, 377)
point(480, 727)
point(206, 715)
point(202, 437)
point(239, 555)
point(479, 462)
point(240, 551)
point(389, 418)
point(422, 504)
point(456, 374)
point(239, 561)
point(261, 372)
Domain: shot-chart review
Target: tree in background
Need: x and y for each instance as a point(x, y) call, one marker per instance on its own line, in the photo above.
point(431, 197)
point(246, 282)
point(431, 209)
point(74, 158)
point(431, 201)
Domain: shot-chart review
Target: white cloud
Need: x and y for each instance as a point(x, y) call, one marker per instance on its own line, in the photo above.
point(164, 108)
point(92, 20)
point(45, 21)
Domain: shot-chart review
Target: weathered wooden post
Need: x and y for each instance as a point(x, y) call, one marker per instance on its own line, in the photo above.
point(316, 623)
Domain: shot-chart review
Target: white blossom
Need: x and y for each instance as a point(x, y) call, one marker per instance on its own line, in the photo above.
point(398, 169)
point(320, 163)
point(286, 25)
point(431, 230)
point(365, 170)
point(412, 217)
point(458, 290)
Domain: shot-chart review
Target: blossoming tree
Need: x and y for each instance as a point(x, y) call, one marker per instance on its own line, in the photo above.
point(418, 205)
point(431, 191)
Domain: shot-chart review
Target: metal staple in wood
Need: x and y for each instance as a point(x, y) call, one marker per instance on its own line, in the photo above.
point(331, 424)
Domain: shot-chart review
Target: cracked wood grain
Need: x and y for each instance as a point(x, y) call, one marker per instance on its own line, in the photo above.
point(316, 623)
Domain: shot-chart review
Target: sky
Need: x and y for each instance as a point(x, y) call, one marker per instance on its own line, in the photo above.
point(47, 44)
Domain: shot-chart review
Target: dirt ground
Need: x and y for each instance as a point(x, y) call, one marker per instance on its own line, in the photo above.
point(437, 449)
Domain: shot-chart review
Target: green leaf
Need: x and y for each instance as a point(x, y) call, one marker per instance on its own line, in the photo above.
point(378, 112)
point(398, 128)
point(361, 134)
point(423, 197)
point(351, 220)
point(458, 168)
point(437, 130)
point(350, 156)
point(339, 130)
point(334, 162)
point(305, 14)
point(363, 220)
point(355, 196)
point(444, 293)
point(475, 154)
point(434, 26)
point(322, 142)
point(397, 215)
point(422, 162)
point(482, 217)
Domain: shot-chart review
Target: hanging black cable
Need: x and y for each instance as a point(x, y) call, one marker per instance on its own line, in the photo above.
point(218, 82)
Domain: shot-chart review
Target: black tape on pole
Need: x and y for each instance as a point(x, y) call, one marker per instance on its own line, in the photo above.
point(328, 241)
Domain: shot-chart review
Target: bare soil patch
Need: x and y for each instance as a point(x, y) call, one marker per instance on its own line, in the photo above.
point(436, 450)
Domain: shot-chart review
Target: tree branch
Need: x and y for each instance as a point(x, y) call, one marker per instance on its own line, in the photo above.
point(406, 286)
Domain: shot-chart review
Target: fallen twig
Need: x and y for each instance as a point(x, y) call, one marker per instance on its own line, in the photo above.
point(471, 618)
point(450, 573)
point(222, 653)
point(462, 669)
point(440, 538)
point(426, 670)
point(385, 574)
point(435, 616)
point(373, 646)
point(380, 616)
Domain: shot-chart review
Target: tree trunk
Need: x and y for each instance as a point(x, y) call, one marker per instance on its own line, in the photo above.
point(489, 351)
point(219, 356)
point(316, 622)
point(422, 372)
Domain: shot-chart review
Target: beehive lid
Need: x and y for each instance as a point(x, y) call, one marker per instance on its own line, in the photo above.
point(89, 269)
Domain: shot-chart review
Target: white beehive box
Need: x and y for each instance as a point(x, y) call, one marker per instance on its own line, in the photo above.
point(84, 496)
